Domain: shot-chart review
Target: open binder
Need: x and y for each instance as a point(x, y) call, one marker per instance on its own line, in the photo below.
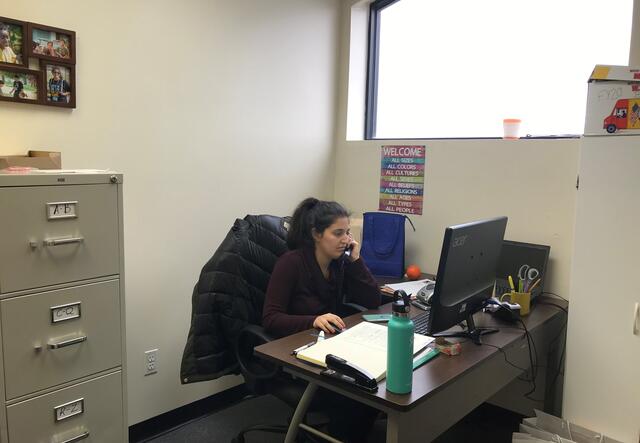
point(364, 345)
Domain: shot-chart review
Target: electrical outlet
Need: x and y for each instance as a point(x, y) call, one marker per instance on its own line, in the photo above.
point(150, 361)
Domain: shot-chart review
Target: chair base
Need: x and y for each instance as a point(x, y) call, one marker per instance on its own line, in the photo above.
point(296, 424)
point(276, 429)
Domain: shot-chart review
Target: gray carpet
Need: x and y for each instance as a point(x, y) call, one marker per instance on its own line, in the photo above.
point(486, 423)
point(222, 426)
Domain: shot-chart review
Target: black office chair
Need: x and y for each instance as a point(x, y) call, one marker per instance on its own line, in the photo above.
point(262, 377)
point(227, 313)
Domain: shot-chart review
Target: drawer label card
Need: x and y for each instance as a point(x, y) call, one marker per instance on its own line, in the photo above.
point(68, 410)
point(57, 210)
point(65, 312)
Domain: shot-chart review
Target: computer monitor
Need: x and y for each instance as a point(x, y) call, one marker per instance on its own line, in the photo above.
point(516, 254)
point(466, 276)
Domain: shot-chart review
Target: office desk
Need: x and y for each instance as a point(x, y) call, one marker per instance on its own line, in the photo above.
point(446, 388)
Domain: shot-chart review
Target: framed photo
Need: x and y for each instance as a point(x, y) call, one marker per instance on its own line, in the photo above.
point(13, 42)
point(20, 85)
point(59, 84)
point(49, 43)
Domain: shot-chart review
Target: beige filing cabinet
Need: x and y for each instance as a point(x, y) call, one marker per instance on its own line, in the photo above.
point(62, 353)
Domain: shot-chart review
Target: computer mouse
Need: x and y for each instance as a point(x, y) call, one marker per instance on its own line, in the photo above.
point(337, 328)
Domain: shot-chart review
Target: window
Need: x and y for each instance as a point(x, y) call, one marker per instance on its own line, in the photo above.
point(457, 68)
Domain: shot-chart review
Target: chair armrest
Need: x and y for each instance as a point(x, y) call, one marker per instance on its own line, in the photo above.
point(253, 368)
point(258, 332)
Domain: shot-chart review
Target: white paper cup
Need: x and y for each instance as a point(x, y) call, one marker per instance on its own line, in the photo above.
point(511, 128)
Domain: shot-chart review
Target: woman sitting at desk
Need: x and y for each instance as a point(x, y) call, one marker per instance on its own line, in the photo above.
point(305, 291)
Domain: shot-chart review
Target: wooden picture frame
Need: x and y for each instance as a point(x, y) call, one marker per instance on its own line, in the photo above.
point(60, 91)
point(49, 43)
point(29, 90)
point(14, 35)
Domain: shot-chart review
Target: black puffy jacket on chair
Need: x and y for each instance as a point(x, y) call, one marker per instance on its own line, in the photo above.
point(230, 294)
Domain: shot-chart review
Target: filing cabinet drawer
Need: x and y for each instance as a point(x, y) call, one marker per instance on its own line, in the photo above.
point(58, 336)
point(92, 409)
point(57, 234)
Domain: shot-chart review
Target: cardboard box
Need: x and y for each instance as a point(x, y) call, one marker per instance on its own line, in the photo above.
point(613, 101)
point(34, 159)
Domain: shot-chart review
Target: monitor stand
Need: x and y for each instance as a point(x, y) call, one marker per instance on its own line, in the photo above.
point(474, 333)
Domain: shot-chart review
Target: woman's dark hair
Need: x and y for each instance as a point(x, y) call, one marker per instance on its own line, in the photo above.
point(311, 214)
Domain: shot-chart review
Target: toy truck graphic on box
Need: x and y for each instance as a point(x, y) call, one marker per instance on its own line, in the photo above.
point(625, 115)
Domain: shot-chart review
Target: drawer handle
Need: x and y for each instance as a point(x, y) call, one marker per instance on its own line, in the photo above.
point(77, 437)
point(62, 241)
point(64, 343)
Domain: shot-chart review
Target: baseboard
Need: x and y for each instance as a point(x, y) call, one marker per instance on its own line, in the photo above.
point(160, 424)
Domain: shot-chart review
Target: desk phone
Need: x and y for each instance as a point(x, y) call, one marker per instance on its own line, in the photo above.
point(423, 296)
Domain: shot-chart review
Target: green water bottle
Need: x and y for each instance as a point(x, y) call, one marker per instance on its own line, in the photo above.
point(400, 345)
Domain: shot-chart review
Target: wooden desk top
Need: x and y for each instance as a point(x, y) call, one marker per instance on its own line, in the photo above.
point(434, 375)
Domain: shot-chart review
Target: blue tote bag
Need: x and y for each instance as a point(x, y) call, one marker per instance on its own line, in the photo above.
point(383, 243)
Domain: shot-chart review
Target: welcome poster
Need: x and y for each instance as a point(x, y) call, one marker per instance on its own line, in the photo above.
point(402, 179)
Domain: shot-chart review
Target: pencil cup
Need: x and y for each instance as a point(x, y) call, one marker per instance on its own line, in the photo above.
point(511, 128)
point(522, 298)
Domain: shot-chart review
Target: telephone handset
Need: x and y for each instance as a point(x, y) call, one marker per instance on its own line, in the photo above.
point(347, 252)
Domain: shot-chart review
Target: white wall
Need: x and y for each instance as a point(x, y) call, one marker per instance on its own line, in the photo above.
point(530, 181)
point(212, 109)
point(634, 49)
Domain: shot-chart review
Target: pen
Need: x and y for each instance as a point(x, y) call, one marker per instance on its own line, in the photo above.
point(534, 285)
point(303, 347)
point(513, 288)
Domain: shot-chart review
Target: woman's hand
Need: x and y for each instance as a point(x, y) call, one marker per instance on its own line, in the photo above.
point(355, 251)
point(325, 321)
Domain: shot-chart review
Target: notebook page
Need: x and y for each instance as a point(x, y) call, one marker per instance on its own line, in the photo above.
point(364, 345)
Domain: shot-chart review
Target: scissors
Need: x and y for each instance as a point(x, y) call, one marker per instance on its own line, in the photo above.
point(526, 275)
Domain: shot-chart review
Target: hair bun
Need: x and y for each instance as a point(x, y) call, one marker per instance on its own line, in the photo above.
point(312, 214)
point(310, 202)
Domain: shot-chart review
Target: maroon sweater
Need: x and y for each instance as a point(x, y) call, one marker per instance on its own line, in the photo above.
point(298, 292)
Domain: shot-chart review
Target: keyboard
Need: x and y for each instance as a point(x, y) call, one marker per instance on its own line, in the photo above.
point(421, 321)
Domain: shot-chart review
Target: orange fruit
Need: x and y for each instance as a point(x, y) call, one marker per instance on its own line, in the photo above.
point(413, 272)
